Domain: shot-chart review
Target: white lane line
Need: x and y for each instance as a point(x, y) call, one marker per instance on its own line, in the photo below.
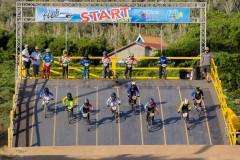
point(77, 118)
point(55, 118)
point(184, 122)
point(119, 127)
point(97, 117)
point(141, 128)
point(164, 131)
point(209, 133)
point(33, 119)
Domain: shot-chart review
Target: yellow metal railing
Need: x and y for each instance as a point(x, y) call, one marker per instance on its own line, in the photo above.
point(229, 116)
point(56, 68)
point(11, 128)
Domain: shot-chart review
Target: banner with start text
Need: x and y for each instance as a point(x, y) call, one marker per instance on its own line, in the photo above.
point(112, 15)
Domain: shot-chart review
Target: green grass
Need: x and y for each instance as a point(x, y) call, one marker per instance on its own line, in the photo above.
point(7, 84)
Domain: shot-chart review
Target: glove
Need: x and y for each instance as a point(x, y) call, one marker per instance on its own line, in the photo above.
point(108, 106)
point(128, 95)
point(178, 112)
point(138, 95)
point(202, 97)
point(119, 103)
point(193, 98)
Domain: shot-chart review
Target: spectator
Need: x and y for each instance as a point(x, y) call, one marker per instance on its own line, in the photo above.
point(26, 61)
point(205, 63)
point(36, 58)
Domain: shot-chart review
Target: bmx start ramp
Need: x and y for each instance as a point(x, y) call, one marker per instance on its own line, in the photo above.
point(33, 129)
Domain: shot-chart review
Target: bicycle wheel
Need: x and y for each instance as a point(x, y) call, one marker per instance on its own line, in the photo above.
point(65, 73)
point(164, 73)
point(186, 122)
point(133, 108)
point(87, 73)
point(199, 112)
point(149, 124)
point(69, 116)
point(115, 116)
point(45, 111)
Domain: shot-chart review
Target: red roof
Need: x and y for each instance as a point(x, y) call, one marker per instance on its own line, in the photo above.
point(152, 39)
point(152, 45)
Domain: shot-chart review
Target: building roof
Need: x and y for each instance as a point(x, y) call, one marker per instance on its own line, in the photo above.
point(151, 41)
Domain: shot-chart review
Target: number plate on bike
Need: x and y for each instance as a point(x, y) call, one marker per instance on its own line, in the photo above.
point(129, 65)
point(134, 97)
point(47, 64)
point(185, 115)
point(198, 101)
point(151, 114)
point(86, 64)
point(65, 64)
point(164, 65)
point(85, 115)
point(105, 64)
point(114, 108)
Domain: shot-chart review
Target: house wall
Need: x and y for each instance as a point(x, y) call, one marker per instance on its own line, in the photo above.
point(152, 52)
point(136, 49)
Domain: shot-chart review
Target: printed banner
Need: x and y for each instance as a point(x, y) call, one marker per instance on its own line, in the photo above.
point(112, 15)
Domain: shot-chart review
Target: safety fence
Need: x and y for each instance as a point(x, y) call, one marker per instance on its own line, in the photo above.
point(11, 129)
point(117, 67)
point(231, 120)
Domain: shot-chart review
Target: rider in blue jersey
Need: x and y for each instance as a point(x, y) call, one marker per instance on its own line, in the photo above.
point(85, 61)
point(162, 60)
point(132, 90)
point(197, 95)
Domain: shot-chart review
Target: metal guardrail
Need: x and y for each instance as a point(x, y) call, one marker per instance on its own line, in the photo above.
point(11, 129)
point(115, 60)
point(227, 113)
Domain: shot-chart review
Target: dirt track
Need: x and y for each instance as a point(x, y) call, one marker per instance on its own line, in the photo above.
point(174, 152)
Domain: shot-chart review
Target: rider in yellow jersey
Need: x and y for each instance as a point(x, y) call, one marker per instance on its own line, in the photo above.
point(185, 107)
point(69, 102)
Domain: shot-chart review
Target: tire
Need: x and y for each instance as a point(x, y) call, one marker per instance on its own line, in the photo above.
point(45, 111)
point(132, 106)
point(65, 74)
point(186, 122)
point(149, 124)
point(129, 75)
point(69, 116)
point(164, 73)
point(116, 116)
point(87, 73)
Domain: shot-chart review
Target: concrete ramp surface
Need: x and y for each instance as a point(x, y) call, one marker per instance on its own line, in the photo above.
point(129, 152)
point(33, 129)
